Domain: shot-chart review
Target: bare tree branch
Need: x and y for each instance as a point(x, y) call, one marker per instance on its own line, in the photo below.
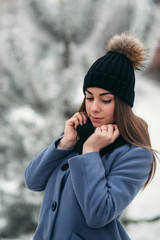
point(127, 221)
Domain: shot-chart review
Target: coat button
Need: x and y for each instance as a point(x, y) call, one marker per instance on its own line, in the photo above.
point(54, 205)
point(65, 167)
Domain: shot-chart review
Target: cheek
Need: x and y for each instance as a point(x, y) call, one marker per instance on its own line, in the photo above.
point(109, 113)
point(87, 107)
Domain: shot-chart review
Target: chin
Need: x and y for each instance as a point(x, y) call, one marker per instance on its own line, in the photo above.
point(96, 124)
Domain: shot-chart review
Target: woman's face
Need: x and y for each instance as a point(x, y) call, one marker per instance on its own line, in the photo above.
point(100, 106)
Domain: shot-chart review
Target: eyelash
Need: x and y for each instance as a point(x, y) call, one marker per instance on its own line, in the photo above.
point(104, 101)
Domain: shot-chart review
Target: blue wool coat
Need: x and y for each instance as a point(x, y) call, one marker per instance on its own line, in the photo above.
point(86, 194)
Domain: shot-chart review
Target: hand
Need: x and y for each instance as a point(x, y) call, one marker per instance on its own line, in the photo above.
point(102, 137)
point(70, 131)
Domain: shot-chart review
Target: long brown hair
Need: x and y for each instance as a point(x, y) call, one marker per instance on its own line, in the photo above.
point(132, 128)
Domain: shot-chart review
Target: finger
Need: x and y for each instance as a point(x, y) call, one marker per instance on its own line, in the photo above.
point(79, 116)
point(115, 126)
point(110, 128)
point(116, 132)
point(98, 130)
point(104, 133)
point(84, 117)
point(109, 132)
point(74, 122)
point(104, 127)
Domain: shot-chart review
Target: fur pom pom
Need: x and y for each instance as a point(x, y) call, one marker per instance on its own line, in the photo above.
point(130, 46)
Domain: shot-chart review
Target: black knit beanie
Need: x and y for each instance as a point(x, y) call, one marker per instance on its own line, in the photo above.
point(115, 71)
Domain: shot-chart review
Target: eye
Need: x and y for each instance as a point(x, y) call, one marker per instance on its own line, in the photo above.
point(89, 98)
point(106, 101)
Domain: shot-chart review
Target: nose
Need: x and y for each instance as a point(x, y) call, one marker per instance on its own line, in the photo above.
point(95, 106)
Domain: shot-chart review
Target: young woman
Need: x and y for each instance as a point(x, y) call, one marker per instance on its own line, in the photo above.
point(93, 172)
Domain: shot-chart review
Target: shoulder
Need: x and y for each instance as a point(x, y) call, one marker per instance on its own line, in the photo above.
point(129, 149)
point(130, 156)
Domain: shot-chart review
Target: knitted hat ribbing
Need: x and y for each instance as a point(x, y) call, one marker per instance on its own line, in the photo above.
point(115, 70)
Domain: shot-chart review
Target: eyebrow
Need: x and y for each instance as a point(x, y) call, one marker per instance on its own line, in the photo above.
point(102, 94)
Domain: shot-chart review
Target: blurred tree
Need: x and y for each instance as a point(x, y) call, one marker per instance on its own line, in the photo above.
point(156, 1)
point(154, 67)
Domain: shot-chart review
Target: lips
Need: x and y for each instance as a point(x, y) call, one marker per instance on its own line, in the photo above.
point(96, 119)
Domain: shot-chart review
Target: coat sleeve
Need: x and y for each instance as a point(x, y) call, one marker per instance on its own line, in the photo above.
point(42, 166)
point(103, 195)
